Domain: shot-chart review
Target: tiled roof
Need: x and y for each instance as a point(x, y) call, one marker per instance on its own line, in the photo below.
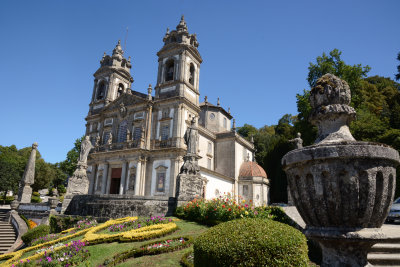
point(251, 169)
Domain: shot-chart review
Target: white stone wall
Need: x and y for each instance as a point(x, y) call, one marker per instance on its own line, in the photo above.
point(203, 146)
point(216, 183)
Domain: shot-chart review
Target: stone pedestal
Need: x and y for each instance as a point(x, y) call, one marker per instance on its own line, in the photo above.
point(25, 194)
point(188, 187)
point(78, 184)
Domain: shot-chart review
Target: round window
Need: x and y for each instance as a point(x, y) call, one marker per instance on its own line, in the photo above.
point(212, 116)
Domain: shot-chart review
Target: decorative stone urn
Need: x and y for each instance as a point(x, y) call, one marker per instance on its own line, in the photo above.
point(342, 188)
point(14, 205)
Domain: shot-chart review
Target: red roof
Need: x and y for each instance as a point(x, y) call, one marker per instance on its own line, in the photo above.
point(251, 169)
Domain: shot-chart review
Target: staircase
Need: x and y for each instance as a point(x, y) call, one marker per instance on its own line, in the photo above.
point(7, 233)
point(385, 254)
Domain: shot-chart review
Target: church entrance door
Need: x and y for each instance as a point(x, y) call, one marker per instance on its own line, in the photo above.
point(115, 180)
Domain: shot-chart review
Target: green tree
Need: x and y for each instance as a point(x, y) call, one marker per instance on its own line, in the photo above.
point(398, 68)
point(68, 166)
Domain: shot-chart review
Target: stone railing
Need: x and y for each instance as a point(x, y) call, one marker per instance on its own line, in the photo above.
point(20, 228)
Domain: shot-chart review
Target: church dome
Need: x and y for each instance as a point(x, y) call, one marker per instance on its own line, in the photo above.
point(251, 169)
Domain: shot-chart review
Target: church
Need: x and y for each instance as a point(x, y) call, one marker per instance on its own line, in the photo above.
point(138, 138)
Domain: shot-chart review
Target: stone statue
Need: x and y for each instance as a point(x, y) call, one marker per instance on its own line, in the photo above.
point(128, 135)
point(86, 146)
point(97, 142)
point(298, 142)
point(191, 138)
point(109, 140)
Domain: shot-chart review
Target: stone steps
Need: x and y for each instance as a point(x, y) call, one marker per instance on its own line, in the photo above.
point(385, 254)
point(7, 233)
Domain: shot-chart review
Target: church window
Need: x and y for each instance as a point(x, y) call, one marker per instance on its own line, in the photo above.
point(165, 113)
point(173, 39)
point(122, 131)
point(191, 74)
point(101, 90)
point(120, 89)
point(164, 132)
point(137, 133)
point(209, 148)
point(105, 137)
point(169, 70)
point(212, 116)
point(160, 182)
point(209, 164)
point(245, 190)
point(225, 123)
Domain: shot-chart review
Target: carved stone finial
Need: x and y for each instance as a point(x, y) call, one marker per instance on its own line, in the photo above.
point(182, 25)
point(234, 125)
point(205, 99)
point(104, 55)
point(218, 103)
point(229, 110)
point(167, 30)
point(149, 90)
point(129, 59)
point(330, 99)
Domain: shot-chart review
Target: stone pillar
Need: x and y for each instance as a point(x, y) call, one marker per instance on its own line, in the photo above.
point(92, 178)
point(148, 131)
point(138, 178)
point(143, 176)
point(104, 179)
point(123, 178)
point(25, 190)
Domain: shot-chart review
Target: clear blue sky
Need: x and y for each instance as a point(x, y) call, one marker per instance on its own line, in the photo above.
point(255, 53)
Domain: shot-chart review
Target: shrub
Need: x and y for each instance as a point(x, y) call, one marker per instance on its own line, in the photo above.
point(7, 200)
point(36, 194)
point(251, 242)
point(61, 189)
point(61, 223)
point(226, 208)
point(35, 199)
point(35, 233)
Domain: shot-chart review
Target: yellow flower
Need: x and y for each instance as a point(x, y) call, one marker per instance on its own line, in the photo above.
point(246, 212)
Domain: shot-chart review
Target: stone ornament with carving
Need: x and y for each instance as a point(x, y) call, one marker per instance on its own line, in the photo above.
point(342, 188)
point(86, 146)
point(330, 100)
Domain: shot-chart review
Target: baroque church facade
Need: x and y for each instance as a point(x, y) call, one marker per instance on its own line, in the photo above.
point(138, 137)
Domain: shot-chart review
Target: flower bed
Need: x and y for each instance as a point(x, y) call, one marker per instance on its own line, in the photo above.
point(92, 237)
point(151, 248)
point(67, 255)
point(226, 208)
point(138, 223)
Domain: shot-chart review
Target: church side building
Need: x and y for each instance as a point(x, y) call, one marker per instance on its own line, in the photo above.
point(139, 138)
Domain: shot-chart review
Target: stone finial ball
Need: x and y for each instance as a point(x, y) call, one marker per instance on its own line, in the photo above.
point(330, 90)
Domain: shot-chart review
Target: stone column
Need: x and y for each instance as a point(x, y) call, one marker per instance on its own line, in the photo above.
point(143, 176)
point(104, 179)
point(148, 131)
point(138, 178)
point(123, 178)
point(25, 190)
point(92, 178)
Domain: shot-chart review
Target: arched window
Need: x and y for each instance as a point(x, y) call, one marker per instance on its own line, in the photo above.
point(191, 74)
point(120, 89)
point(122, 131)
point(101, 90)
point(225, 123)
point(169, 70)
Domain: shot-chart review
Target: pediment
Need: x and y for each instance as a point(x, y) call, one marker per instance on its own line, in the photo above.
point(125, 99)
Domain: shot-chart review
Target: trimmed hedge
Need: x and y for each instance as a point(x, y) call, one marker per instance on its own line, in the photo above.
point(251, 242)
point(40, 230)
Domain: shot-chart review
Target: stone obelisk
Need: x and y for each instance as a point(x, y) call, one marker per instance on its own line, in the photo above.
point(25, 189)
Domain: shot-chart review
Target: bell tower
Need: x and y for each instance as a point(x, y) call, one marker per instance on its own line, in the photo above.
point(179, 65)
point(111, 80)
